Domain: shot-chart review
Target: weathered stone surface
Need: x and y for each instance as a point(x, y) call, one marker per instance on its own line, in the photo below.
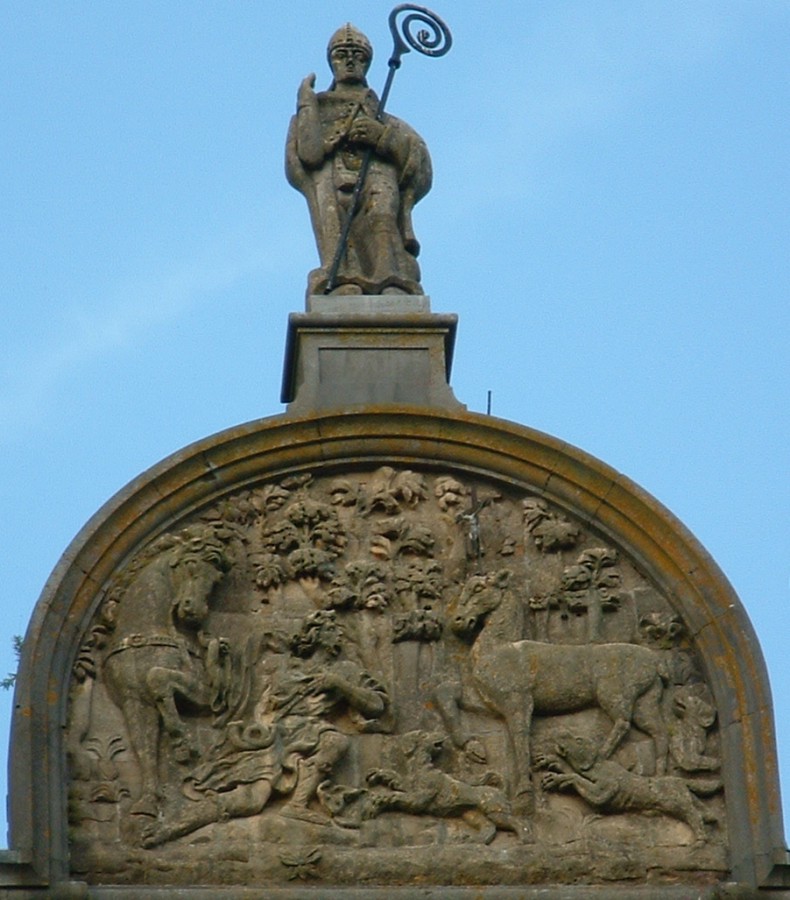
point(368, 351)
point(290, 655)
point(345, 649)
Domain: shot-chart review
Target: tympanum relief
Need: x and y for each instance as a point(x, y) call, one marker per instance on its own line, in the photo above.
point(352, 677)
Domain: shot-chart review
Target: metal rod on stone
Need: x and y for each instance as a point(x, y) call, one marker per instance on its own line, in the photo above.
point(435, 40)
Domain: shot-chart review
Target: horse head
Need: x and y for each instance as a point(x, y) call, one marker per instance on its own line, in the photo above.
point(197, 563)
point(480, 595)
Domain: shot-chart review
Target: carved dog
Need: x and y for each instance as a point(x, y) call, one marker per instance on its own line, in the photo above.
point(692, 716)
point(608, 786)
point(426, 789)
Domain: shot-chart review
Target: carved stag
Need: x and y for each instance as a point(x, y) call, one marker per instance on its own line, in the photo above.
point(519, 678)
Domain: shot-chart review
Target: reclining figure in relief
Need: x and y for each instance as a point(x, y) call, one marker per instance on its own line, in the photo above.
point(294, 749)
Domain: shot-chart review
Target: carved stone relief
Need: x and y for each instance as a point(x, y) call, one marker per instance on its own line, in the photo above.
point(350, 677)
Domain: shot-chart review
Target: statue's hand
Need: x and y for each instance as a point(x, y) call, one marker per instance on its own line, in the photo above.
point(308, 144)
point(306, 94)
point(365, 131)
point(327, 681)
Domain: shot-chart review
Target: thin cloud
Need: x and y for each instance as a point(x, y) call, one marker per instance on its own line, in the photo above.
point(89, 330)
point(578, 71)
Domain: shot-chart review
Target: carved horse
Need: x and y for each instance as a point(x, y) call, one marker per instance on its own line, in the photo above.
point(519, 678)
point(160, 653)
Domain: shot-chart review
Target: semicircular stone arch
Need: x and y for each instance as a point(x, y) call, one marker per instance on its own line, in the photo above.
point(385, 523)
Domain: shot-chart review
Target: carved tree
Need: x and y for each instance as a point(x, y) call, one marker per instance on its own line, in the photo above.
point(550, 531)
point(592, 587)
point(304, 543)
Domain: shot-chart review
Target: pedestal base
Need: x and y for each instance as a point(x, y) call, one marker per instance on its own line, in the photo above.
point(367, 351)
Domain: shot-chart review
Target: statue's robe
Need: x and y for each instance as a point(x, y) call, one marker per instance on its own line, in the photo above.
point(324, 165)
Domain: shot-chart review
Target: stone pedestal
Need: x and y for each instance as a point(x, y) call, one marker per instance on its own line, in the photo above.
point(362, 351)
point(390, 648)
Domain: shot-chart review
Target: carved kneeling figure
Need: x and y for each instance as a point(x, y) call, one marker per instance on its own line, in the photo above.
point(608, 786)
point(294, 753)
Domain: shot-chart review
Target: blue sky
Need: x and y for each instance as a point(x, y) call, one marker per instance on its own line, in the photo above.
point(610, 219)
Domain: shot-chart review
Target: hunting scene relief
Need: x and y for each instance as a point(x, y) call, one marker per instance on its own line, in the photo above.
point(355, 677)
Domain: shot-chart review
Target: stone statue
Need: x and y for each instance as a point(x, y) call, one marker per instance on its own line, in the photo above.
point(328, 139)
